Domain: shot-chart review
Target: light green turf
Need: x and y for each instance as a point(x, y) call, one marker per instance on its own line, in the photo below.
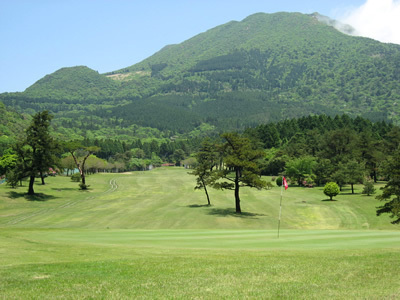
point(165, 199)
point(207, 264)
point(148, 235)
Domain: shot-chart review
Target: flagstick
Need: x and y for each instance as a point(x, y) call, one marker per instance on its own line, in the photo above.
point(280, 209)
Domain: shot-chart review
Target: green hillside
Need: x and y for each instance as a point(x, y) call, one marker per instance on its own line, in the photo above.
point(77, 83)
point(12, 125)
point(267, 67)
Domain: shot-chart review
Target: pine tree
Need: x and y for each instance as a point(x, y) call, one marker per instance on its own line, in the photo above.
point(241, 166)
point(206, 161)
point(37, 152)
point(391, 191)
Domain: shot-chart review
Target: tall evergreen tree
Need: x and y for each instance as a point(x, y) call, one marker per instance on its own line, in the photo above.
point(206, 161)
point(37, 152)
point(241, 166)
point(391, 191)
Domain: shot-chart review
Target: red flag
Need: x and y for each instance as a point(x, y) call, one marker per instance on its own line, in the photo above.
point(284, 182)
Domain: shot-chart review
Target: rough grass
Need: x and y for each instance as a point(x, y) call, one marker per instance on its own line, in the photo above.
point(151, 236)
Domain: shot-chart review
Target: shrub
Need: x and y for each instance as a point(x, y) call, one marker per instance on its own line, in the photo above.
point(279, 181)
point(269, 186)
point(76, 177)
point(331, 189)
point(83, 186)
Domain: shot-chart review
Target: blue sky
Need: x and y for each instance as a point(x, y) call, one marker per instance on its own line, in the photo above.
point(39, 37)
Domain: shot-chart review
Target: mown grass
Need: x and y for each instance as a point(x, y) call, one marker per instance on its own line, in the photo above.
point(181, 264)
point(150, 236)
point(165, 199)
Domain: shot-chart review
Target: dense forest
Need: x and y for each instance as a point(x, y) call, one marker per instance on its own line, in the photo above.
point(326, 147)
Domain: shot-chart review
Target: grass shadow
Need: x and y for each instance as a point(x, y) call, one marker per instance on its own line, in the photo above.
point(231, 212)
point(35, 197)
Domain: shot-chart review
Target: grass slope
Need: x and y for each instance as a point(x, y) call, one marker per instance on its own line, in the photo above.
point(149, 236)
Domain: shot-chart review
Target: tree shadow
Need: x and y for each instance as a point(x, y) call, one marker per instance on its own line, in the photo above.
point(231, 212)
point(35, 197)
point(198, 205)
point(329, 200)
point(64, 189)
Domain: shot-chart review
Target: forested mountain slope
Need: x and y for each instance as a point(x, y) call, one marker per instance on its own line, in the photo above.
point(265, 68)
point(12, 125)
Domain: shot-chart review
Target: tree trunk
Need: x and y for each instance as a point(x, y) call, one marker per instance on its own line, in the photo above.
point(31, 182)
point(352, 188)
point(205, 190)
point(42, 178)
point(237, 198)
point(83, 177)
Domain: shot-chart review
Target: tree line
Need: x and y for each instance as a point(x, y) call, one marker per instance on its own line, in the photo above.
point(309, 151)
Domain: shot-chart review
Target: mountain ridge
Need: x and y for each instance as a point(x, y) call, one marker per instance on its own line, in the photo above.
point(239, 74)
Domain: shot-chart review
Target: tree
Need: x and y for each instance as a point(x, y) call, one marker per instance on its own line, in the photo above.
point(68, 163)
point(391, 191)
point(178, 156)
point(340, 176)
point(7, 161)
point(370, 152)
point(331, 189)
point(300, 168)
point(206, 161)
point(369, 188)
point(355, 172)
point(338, 145)
point(80, 160)
point(322, 170)
point(241, 166)
point(37, 152)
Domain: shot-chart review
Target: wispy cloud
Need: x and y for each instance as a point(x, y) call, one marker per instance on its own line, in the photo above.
point(377, 19)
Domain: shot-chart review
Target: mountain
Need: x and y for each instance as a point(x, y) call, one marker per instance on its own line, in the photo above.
point(73, 83)
point(264, 68)
point(12, 125)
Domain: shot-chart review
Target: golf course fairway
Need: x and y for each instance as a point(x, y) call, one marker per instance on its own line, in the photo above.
point(149, 235)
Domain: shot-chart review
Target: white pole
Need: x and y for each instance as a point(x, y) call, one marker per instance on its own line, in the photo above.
point(280, 209)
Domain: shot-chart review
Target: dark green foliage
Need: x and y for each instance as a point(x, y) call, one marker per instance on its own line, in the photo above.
point(331, 189)
point(206, 161)
point(391, 192)
point(241, 166)
point(300, 169)
point(355, 173)
point(83, 186)
point(37, 152)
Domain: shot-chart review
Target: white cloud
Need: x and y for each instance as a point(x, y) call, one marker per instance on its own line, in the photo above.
point(377, 19)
